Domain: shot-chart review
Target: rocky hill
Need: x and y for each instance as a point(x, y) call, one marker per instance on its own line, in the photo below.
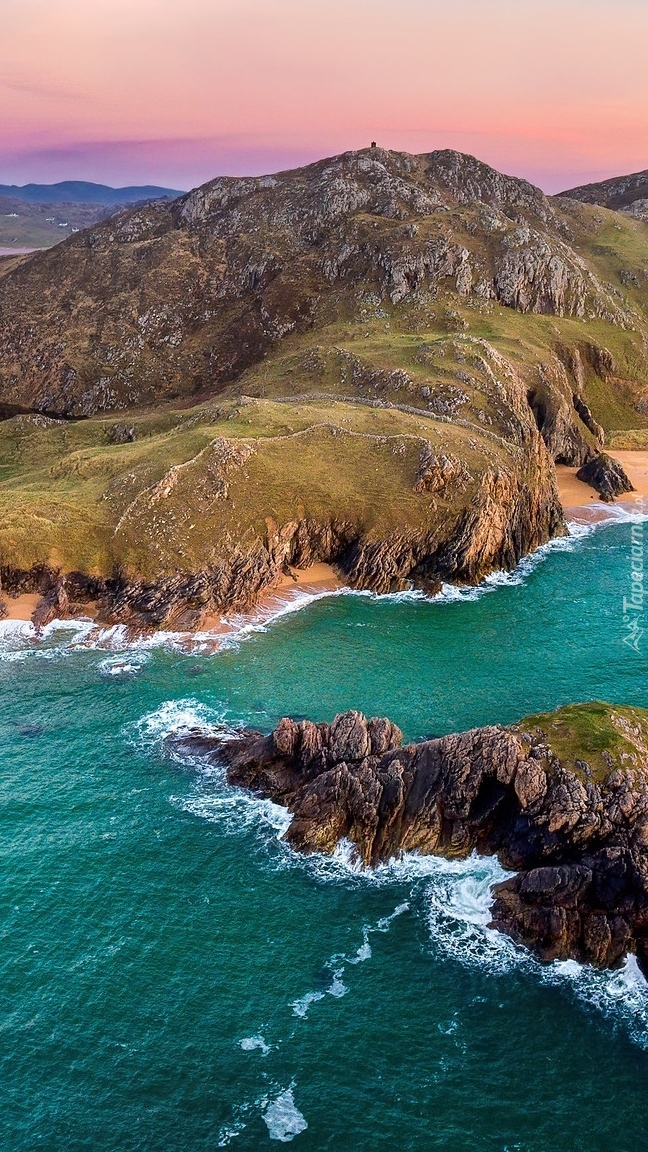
point(623, 193)
point(372, 361)
point(562, 799)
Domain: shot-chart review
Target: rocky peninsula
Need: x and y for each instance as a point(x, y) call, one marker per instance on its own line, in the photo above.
point(561, 799)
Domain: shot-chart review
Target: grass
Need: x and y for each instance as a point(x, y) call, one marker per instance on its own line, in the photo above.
point(604, 736)
point(66, 487)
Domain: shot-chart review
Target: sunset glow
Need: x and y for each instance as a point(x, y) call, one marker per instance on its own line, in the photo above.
point(178, 91)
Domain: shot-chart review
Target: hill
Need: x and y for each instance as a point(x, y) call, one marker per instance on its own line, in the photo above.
point(85, 192)
point(622, 193)
point(372, 361)
point(41, 215)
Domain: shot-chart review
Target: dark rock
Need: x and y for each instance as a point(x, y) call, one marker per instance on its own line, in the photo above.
point(606, 476)
point(579, 846)
point(121, 434)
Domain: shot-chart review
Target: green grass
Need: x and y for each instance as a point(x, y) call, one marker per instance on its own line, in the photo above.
point(66, 487)
point(584, 732)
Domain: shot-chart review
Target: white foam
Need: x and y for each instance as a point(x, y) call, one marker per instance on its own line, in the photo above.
point(176, 717)
point(364, 951)
point(283, 1118)
point(254, 1044)
point(19, 640)
point(606, 514)
point(300, 1007)
point(114, 666)
point(337, 987)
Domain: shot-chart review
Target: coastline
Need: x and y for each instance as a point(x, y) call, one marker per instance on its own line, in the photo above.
point(582, 506)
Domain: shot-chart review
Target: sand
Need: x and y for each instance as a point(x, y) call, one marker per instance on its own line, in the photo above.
point(578, 498)
point(314, 580)
point(22, 607)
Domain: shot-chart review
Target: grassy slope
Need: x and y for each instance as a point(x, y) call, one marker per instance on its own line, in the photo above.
point(65, 486)
point(584, 732)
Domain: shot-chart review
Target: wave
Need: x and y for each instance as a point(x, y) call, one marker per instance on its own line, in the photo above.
point(19, 639)
point(453, 896)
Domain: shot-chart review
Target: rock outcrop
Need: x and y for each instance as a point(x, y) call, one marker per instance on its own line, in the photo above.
point(171, 300)
point(607, 476)
point(561, 799)
point(619, 193)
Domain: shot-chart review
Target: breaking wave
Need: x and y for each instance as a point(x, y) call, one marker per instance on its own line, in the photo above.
point(453, 897)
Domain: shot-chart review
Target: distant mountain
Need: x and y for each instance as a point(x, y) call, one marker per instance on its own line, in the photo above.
point(84, 192)
point(621, 192)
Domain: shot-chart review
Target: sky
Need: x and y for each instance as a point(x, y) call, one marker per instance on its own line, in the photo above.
point(176, 92)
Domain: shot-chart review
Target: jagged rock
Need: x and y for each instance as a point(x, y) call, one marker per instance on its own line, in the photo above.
point(167, 300)
point(438, 472)
point(121, 434)
point(577, 839)
point(590, 423)
point(54, 605)
point(4, 609)
point(607, 476)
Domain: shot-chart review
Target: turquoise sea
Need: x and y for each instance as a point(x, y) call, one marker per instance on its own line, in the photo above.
point(174, 979)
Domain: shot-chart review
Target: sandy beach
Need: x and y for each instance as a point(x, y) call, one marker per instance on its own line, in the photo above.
point(579, 501)
point(574, 495)
point(22, 607)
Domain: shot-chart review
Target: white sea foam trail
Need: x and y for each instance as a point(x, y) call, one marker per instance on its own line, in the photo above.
point(283, 1118)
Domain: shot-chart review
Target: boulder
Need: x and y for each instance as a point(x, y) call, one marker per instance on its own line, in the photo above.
point(606, 476)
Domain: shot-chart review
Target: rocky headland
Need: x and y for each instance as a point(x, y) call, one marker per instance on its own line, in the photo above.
point(373, 362)
point(561, 799)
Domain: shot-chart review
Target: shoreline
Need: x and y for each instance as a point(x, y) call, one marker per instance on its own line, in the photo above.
point(577, 497)
point(581, 504)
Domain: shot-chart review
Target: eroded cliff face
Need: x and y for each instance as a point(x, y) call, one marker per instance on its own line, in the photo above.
point(575, 832)
point(458, 527)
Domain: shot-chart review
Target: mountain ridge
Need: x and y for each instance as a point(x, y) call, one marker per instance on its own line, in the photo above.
point(619, 193)
point(85, 192)
point(373, 362)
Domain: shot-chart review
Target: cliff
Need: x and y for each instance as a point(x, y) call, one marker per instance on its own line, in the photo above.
point(371, 361)
point(562, 800)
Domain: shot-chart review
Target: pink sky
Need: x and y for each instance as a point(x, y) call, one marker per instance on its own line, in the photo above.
point(179, 91)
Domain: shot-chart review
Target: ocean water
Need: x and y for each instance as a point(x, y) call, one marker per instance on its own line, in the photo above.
point(174, 979)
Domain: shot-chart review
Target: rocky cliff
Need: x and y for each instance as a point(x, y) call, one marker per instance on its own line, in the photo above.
point(561, 799)
point(371, 361)
point(174, 299)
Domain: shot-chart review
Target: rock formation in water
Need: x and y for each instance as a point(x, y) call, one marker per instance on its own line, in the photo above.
point(561, 799)
point(606, 476)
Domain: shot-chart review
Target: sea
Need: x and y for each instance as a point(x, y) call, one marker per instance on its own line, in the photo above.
point(173, 978)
